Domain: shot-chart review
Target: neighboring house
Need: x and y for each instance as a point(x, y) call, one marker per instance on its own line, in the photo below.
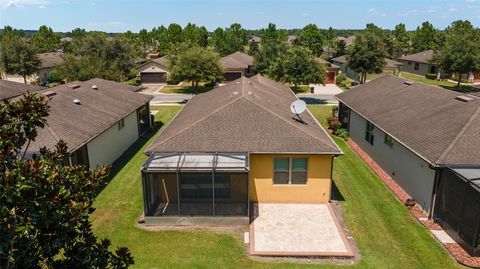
point(291, 39)
point(66, 39)
point(255, 39)
point(236, 65)
point(391, 67)
point(348, 40)
point(426, 138)
point(48, 62)
point(154, 71)
point(97, 119)
point(11, 89)
point(332, 71)
point(243, 138)
point(419, 63)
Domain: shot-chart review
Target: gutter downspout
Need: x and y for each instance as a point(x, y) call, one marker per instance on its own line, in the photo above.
point(436, 181)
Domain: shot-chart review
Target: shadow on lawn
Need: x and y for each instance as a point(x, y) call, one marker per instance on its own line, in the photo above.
point(336, 194)
point(128, 155)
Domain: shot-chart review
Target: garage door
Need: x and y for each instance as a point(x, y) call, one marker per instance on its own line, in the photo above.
point(330, 78)
point(232, 76)
point(153, 78)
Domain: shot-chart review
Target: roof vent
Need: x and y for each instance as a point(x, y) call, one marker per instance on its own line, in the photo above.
point(408, 82)
point(49, 93)
point(464, 98)
point(94, 87)
point(235, 93)
point(74, 86)
point(76, 101)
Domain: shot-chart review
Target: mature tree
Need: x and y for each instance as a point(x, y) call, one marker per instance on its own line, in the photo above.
point(330, 37)
point(195, 64)
point(45, 205)
point(461, 52)
point(297, 65)
point(253, 48)
point(96, 56)
point(230, 40)
point(144, 41)
point(78, 33)
point(45, 40)
point(195, 35)
point(312, 38)
point(398, 40)
point(340, 48)
point(18, 57)
point(367, 54)
point(274, 43)
point(160, 40)
point(174, 34)
point(424, 38)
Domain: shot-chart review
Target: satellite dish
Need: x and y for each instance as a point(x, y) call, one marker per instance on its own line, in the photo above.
point(298, 107)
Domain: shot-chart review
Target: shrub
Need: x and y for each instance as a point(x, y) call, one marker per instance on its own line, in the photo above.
point(332, 118)
point(335, 111)
point(341, 78)
point(431, 76)
point(334, 125)
point(54, 76)
point(342, 133)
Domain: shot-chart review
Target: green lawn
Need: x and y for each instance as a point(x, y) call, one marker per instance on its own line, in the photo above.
point(300, 89)
point(185, 88)
point(441, 83)
point(388, 237)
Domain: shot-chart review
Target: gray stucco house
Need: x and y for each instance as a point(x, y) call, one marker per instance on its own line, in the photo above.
point(426, 138)
point(419, 63)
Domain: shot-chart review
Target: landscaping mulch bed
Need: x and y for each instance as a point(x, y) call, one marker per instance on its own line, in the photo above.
point(454, 249)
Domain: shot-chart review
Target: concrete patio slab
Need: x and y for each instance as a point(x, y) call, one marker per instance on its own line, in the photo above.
point(442, 236)
point(297, 230)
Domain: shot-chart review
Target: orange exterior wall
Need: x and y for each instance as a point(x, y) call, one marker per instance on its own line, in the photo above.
point(317, 189)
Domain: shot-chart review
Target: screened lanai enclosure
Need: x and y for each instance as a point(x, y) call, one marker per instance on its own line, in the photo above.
point(457, 206)
point(187, 187)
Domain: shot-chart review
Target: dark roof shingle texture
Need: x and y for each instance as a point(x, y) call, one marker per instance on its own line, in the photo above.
point(429, 120)
point(389, 63)
point(236, 60)
point(10, 89)
point(246, 115)
point(420, 57)
point(50, 59)
point(98, 111)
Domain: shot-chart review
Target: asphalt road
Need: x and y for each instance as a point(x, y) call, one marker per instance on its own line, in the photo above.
point(308, 98)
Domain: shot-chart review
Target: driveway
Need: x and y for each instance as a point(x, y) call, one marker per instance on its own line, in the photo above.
point(297, 230)
point(327, 89)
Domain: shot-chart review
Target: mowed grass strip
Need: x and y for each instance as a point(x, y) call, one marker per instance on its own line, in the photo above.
point(388, 237)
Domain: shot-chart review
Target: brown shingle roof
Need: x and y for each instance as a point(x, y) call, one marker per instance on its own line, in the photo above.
point(236, 60)
point(246, 115)
point(428, 120)
point(389, 62)
point(98, 111)
point(50, 59)
point(10, 89)
point(420, 57)
point(161, 62)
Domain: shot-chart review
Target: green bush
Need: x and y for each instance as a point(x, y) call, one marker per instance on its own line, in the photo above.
point(334, 125)
point(54, 76)
point(342, 133)
point(431, 76)
point(332, 118)
point(341, 78)
point(335, 111)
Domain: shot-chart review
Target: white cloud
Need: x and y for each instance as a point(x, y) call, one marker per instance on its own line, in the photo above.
point(22, 3)
point(373, 11)
point(432, 10)
point(452, 9)
point(115, 23)
point(470, 1)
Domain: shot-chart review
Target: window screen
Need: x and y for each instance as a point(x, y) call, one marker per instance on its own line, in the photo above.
point(290, 171)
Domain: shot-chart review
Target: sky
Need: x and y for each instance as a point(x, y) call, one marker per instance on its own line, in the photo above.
point(123, 15)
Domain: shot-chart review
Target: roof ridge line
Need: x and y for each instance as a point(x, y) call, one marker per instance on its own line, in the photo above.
point(271, 112)
point(197, 122)
point(457, 138)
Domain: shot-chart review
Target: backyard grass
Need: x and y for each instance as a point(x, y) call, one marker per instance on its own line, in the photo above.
point(185, 88)
point(301, 89)
point(388, 237)
point(441, 83)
